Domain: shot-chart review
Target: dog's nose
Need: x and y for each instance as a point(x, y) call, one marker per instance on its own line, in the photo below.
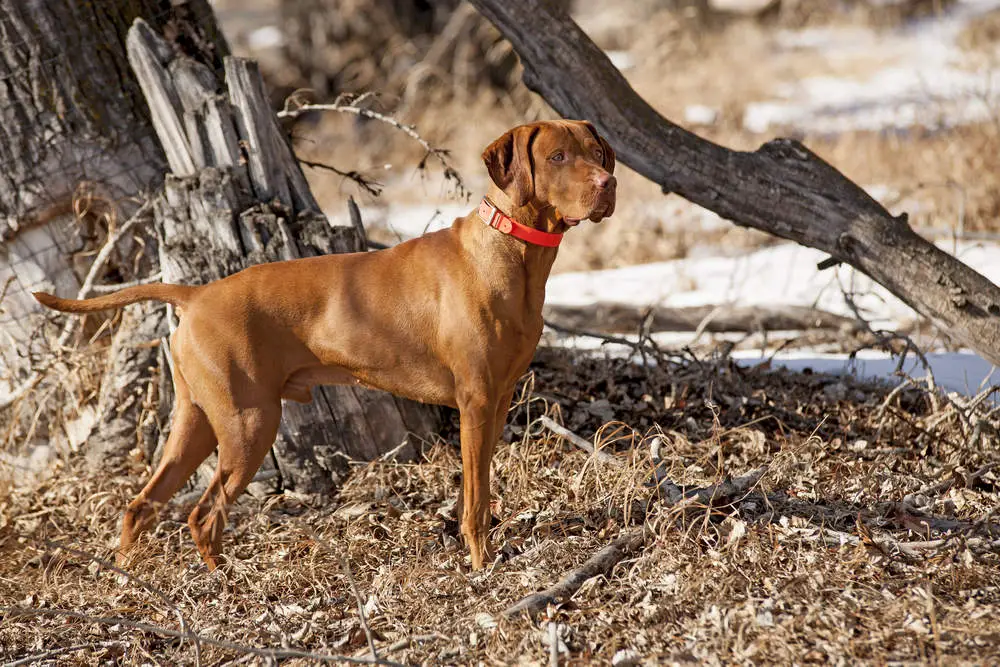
point(604, 180)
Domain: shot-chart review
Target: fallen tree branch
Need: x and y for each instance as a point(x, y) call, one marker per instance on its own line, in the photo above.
point(623, 318)
point(783, 188)
point(838, 538)
point(600, 563)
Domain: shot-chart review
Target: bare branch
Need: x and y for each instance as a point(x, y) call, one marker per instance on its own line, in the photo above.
point(600, 563)
point(63, 650)
point(349, 105)
point(371, 186)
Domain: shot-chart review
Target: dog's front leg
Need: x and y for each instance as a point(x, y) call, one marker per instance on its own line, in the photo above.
point(478, 415)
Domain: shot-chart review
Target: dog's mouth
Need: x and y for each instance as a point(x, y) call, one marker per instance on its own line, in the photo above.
point(602, 204)
point(597, 213)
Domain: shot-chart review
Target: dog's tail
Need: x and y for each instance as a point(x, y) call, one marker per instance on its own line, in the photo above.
point(176, 295)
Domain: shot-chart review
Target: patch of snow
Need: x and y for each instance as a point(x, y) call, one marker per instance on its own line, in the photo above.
point(961, 372)
point(740, 6)
point(268, 37)
point(923, 80)
point(622, 60)
point(784, 274)
point(699, 114)
point(406, 221)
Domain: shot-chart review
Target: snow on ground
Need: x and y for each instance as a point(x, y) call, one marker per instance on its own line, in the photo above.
point(781, 274)
point(785, 274)
point(915, 75)
point(407, 221)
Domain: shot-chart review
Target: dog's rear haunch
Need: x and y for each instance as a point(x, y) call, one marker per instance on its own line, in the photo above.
point(451, 318)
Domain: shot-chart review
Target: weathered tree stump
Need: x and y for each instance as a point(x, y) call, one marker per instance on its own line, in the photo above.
point(236, 197)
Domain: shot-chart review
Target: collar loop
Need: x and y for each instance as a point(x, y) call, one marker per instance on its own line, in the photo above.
point(497, 219)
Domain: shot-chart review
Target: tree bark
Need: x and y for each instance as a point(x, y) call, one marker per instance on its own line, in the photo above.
point(76, 136)
point(236, 196)
point(782, 188)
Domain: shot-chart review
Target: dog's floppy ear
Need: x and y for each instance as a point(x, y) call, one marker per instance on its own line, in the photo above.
point(508, 159)
point(609, 152)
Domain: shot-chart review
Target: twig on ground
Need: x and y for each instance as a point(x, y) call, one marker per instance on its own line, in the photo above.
point(361, 605)
point(407, 642)
point(600, 563)
point(345, 566)
point(275, 653)
point(911, 549)
point(63, 650)
point(564, 432)
point(189, 633)
point(724, 492)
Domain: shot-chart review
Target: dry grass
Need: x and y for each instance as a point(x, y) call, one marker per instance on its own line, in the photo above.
point(806, 568)
point(833, 557)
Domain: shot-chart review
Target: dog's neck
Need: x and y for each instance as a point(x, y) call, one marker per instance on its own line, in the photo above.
point(534, 260)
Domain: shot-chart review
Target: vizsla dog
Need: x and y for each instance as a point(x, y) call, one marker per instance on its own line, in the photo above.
point(451, 318)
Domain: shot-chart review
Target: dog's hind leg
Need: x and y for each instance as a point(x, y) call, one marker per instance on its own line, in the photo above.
point(245, 436)
point(190, 442)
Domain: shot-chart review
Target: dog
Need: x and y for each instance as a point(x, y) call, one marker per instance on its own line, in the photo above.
point(450, 318)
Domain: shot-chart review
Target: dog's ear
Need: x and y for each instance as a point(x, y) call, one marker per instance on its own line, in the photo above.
point(609, 152)
point(508, 159)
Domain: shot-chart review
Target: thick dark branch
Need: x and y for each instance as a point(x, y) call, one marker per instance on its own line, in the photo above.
point(782, 188)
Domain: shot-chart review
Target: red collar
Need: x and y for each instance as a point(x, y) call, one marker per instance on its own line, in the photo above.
point(497, 219)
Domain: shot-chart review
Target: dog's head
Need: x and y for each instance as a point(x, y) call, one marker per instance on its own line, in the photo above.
point(565, 164)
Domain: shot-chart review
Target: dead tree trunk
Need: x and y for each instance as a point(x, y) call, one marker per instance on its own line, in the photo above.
point(76, 134)
point(782, 188)
point(236, 196)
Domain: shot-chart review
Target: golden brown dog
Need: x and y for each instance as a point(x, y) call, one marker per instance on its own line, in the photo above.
point(451, 318)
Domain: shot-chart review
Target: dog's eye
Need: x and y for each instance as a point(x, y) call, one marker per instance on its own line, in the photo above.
point(558, 157)
point(599, 154)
